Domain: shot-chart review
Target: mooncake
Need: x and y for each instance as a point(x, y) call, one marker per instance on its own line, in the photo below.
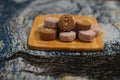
point(87, 35)
point(51, 22)
point(83, 25)
point(47, 34)
point(95, 29)
point(66, 23)
point(67, 36)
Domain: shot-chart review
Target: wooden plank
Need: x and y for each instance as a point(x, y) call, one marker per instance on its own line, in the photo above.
point(35, 42)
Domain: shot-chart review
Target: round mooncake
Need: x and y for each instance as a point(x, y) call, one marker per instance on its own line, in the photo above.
point(67, 36)
point(50, 22)
point(83, 25)
point(87, 35)
point(66, 23)
point(95, 29)
point(47, 34)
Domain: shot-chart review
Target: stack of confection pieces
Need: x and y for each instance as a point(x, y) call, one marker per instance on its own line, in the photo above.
point(86, 31)
point(66, 25)
point(48, 29)
point(67, 29)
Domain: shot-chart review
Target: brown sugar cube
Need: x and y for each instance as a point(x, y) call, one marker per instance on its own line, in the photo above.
point(66, 23)
point(47, 34)
point(83, 25)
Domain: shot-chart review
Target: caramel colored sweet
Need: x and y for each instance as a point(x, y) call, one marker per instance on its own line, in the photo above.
point(83, 25)
point(47, 34)
point(66, 23)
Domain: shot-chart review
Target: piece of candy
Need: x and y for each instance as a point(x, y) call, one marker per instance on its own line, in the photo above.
point(83, 25)
point(87, 35)
point(47, 34)
point(95, 29)
point(66, 23)
point(50, 22)
point(67, 36)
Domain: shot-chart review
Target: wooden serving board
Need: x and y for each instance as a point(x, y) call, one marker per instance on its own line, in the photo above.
point(35, 42)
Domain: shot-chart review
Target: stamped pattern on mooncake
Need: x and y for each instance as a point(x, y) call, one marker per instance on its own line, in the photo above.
point(66, 23)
